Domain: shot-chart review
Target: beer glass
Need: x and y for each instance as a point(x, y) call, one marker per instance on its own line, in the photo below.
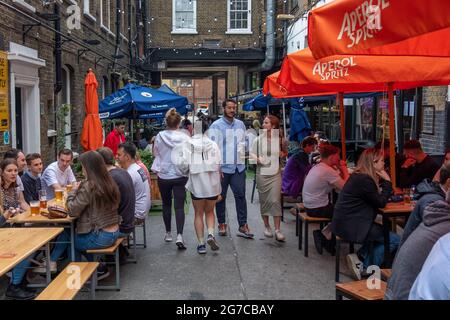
point(59, 194)
point(43, 199)
point(407, 195)
point(35, 208)
point(69, 187)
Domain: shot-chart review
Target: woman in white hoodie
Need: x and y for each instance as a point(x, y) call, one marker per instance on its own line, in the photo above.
point(170, 179)
point(201, 159)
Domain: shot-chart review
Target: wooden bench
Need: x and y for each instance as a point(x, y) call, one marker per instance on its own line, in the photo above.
point(386, 274)
point(303, 217)
point(59, 289)
point(110, 251)
point(358, 290)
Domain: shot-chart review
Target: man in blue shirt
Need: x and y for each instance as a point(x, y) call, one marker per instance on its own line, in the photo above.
point(229, 134)
point(433, 282)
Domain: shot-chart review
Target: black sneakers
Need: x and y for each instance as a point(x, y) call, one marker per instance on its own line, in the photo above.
point(17, 292)
point(102, 272)
point(212, 242)
point(318, 241)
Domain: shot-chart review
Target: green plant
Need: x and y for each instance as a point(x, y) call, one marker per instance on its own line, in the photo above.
point(146, 158)
point(61, 116)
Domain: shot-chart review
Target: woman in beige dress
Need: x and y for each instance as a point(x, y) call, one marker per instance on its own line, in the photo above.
point(267, 149)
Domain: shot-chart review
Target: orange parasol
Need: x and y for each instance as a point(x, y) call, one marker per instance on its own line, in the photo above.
point(383, 27)
point(92, 135)
point(302, 74)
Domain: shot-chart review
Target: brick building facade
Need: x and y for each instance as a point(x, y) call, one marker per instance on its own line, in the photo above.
point(89, 42)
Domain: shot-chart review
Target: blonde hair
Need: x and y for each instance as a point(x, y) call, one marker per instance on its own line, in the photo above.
point(173, 118)
point(366, 163)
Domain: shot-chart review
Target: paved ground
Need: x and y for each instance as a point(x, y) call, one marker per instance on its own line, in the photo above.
point(242, 269)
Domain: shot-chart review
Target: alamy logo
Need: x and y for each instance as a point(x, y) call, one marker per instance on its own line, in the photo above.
point(74, 20)
point(334, 69)
point(363, 22)
point(74, 280)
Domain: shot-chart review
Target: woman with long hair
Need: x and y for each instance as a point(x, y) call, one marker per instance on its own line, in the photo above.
point(267, 149)
point(201, 158)
point(170, 179)
point(11, 197)
point(95, 205)
point(366, 191)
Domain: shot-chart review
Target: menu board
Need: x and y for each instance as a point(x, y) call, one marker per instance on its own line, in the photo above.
point(4, 104)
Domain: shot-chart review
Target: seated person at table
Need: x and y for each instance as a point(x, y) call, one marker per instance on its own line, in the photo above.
point(95, 205)
point(58, 174)
point(427, 192)
point(417, 166)
point(127, 197)
point(415, 250)
point(11, 196)
point(446, 160)
point(297, 168)
point(433, 282)
point(367, 190)
point(399, 159)
point(19, 156)
point(126, 156)
point(31, 179)
point(16, 289)
point(331, 173)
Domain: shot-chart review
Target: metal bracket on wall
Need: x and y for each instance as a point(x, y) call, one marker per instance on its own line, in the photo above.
point(81, 52)
point(97, 61)
point(26, 28)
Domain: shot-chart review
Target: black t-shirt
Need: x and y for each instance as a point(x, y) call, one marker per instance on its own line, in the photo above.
point(415, 174)
point(127, 198)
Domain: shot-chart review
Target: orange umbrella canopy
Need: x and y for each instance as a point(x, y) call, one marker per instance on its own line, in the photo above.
point(302, 74)
point(385, 27)
point(92, 135)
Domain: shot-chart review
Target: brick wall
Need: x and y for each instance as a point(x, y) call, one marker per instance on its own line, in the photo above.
point(42, 40)
point(435, 96)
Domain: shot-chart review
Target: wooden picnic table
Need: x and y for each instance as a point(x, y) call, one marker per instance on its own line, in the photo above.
point(392, 210)
point(41, 220)
point(17, 244)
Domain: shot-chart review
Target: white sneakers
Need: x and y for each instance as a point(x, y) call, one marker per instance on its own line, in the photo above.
point(279, 236)
point(268, 232)
point(355, 265)
point(168, 237)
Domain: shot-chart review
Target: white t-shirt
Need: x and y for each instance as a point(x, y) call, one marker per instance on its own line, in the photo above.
point(19, 184)
point(53, 175)
point(141, 189)
point(319, 182)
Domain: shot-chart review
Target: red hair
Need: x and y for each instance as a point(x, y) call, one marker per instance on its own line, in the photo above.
point(274, 121)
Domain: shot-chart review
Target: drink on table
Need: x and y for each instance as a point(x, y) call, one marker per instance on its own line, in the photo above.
point(43, 199)
point(59, 194)
point(35, 208)
point(69, 187)
point(406, 195)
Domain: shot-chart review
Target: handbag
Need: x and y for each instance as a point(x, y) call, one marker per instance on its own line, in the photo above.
point(57, 212)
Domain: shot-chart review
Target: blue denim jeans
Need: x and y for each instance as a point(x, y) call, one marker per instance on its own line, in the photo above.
point(92, 240)
point(18, 273)
point(237, 183)
point(376, 257)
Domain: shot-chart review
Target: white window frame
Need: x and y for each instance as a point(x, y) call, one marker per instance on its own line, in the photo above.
point(184, 30)
point(102, 25)
point(26, 5)
point(87, 11)
point(248, 30)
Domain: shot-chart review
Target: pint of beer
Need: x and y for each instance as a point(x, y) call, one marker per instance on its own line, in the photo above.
point(43, 199)
point(59, 194)
point(35, 208)
point(69, 187)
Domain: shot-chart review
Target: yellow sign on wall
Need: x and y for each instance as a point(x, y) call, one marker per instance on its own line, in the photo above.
point(4, 86)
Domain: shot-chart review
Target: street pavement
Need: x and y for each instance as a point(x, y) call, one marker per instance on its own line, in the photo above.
point(242, 269)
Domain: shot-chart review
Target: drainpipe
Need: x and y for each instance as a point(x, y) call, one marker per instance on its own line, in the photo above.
point(58, 71)
point(267, 64)
point(118, 38)
point(130, 49)
point(145, 22)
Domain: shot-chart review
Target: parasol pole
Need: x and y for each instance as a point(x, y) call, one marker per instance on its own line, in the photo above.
point(340, 99)
point(392, 133)
point(284, 119)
